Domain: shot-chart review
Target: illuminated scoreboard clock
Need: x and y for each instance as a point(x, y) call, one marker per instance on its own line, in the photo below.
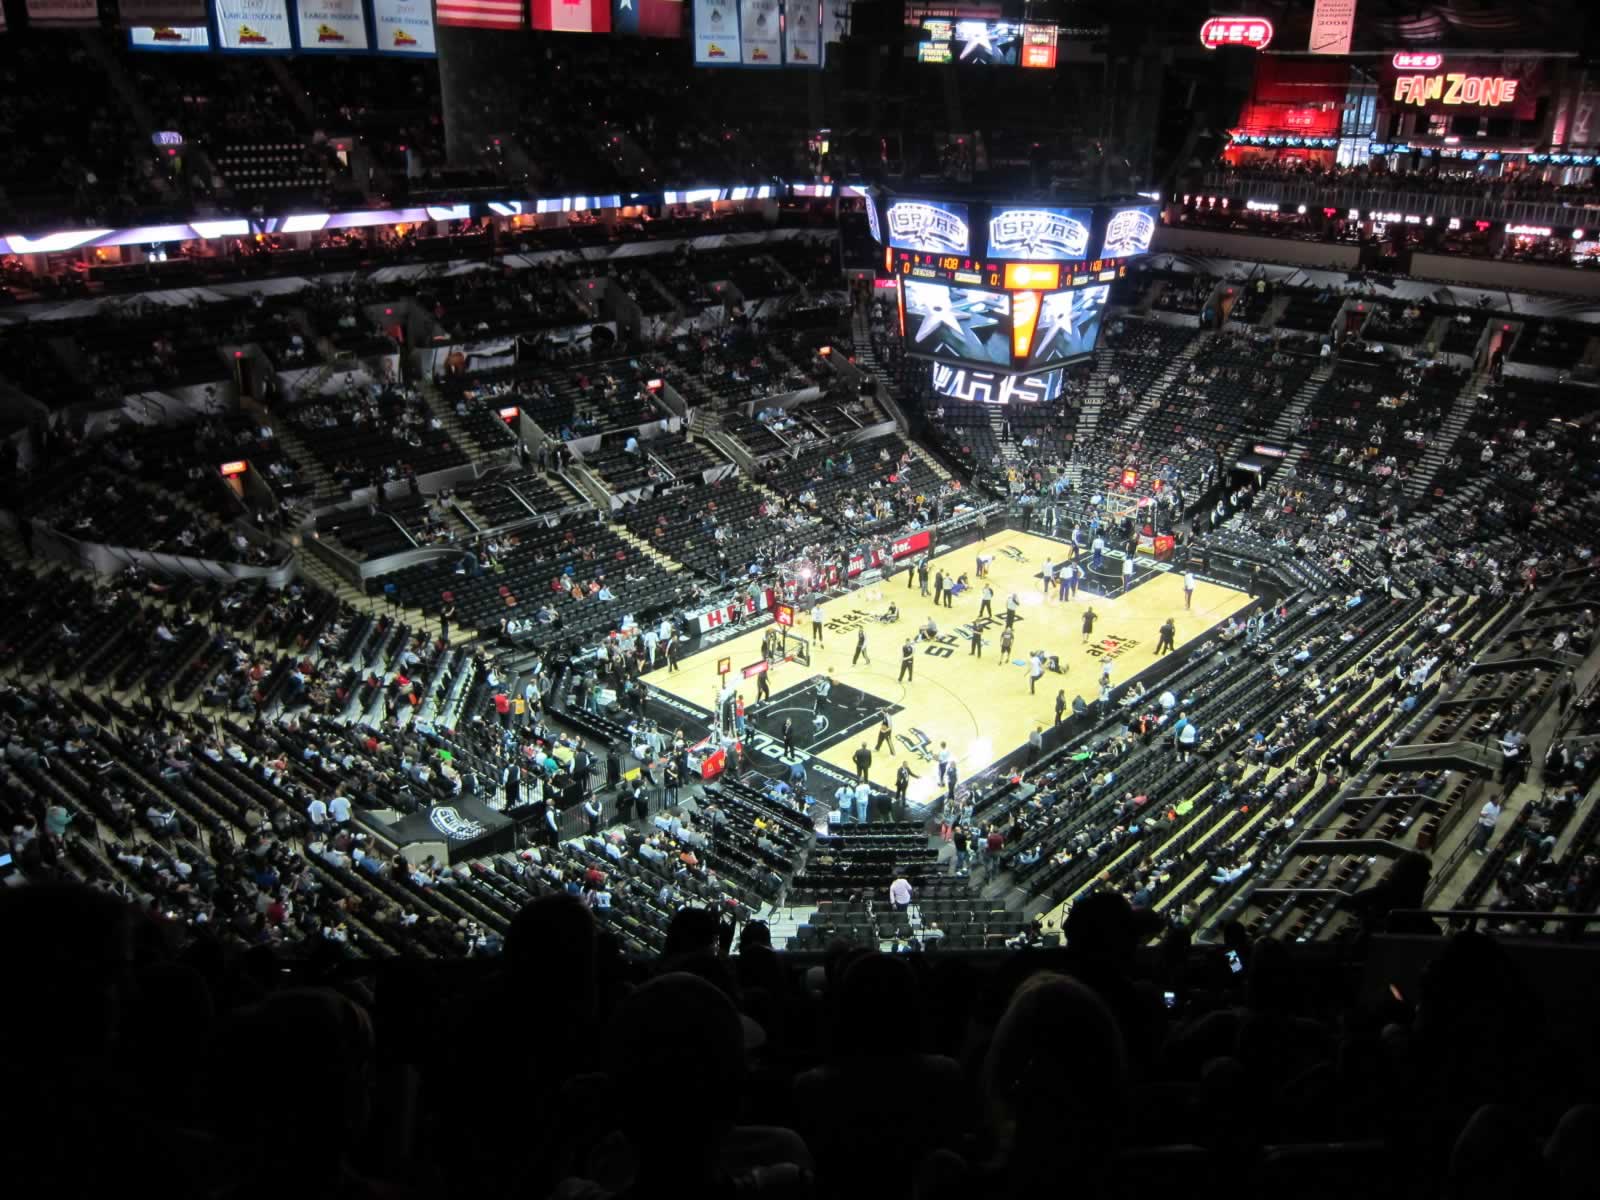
point(944, 268)
point(990, 273)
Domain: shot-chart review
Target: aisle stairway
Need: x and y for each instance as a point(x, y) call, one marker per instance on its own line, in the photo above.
point(1140, 415)
point(1441, 444)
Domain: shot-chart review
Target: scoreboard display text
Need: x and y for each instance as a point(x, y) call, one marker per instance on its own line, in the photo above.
point(990, 273)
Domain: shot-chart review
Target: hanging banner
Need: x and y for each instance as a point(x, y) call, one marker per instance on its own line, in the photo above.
point(716, 33)
point(1333, 22)
point(760, 34)
point(170, 37)
point(836, 19)
point(481, 14)
point(572, 16)
point(403, 26)
point(254, 25)
point(152, 13)
point(648, 18)
point(64, 14)
point(802, 34)
point(336, 26)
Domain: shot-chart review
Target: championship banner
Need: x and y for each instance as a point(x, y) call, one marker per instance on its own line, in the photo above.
point(571, 16)
point(170, 37)
point(64, 14)
point(802, 34)
point(1333, 23)
point(716, 33)
point(648, 18)
point(480, 14)
point(403, 27)
point(336, 26)
point(254, 25)
point(152, 13)
point(760, 34)
point(836, 20)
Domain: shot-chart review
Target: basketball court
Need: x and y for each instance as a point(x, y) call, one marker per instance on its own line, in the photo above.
point(980, 706)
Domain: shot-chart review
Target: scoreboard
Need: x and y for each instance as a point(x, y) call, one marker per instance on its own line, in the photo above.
point(991, 273)
point(994, 288)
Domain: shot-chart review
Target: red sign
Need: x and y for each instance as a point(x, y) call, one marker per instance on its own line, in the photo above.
point(1130, 478)
point(510, 414)
point(1254, 32)
point(783, 614)
point(233, 468)
point(1418, 60)
point(910, 544)
point(713, 764)
point(756, 668)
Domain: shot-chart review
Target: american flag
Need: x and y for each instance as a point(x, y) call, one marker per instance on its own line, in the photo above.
point(482, 14)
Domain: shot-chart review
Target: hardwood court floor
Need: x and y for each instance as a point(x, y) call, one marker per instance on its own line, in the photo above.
point(980, 706)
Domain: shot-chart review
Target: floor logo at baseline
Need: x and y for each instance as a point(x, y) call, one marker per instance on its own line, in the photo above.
point(1111, 647)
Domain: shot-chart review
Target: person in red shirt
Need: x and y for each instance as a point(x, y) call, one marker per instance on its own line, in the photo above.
point(502, 706)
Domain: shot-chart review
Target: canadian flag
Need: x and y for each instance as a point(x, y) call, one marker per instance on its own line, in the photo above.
point(572, 16)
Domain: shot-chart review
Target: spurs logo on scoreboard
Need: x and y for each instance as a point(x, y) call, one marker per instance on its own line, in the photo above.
point(1129, 233)
point(927, 227)
point(1037, 233)
point(449, 821)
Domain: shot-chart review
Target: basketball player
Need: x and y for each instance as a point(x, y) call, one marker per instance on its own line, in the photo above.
point(1048, 574)
point(1089, 618)
point(986, 602)
point(1188, 590)
point(788, 738)
point(1035, 670)
point(763, 688)
point(824, 691)
point(908, 662)
point(1012, 604)
point(1006, 637)
point(975, 637)
point(816, 624)
point(1127, 572)
point(861, 648)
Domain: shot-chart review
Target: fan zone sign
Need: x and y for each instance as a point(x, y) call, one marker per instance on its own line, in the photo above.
point(1456, 88)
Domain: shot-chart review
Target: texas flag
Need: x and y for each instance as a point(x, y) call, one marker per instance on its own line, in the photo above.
point(572, 16)
point(648, 18)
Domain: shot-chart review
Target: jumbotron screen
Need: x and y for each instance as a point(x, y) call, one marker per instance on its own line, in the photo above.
point(966, 324)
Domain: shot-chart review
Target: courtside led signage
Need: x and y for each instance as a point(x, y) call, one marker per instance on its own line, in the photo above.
point(230, 469)
point(1484, 91)
point(1252, 32)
